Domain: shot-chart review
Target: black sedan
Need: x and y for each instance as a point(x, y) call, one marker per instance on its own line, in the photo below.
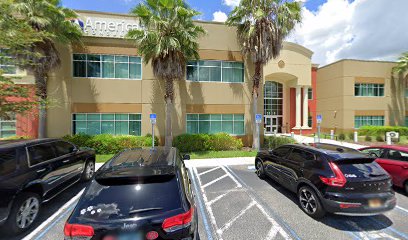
point(329, 178)
point(138, 194)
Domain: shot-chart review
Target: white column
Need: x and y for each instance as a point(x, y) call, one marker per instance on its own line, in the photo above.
point(305, 108)
point(298, 107)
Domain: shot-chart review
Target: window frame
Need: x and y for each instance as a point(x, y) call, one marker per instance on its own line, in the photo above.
point(369, 87)
point(13, 119)
point(100, 125)
point(221, 68)
point(310, 94)
point(372, 118)
point(101, 66)
point(221, 120)
point(5, 55)
point(44, 162)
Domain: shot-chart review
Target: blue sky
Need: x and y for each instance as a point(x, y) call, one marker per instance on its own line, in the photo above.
point(207, 7)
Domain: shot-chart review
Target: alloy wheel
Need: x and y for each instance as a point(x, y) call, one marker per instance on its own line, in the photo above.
point(308, 201)
point(259, 169)
point(90, 169)
point(28, 212)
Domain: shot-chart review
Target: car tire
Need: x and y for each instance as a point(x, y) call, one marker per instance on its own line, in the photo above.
point(89, 171)
point(310, 203)
point(406, 187)
point(23, 213)
point(260, 170)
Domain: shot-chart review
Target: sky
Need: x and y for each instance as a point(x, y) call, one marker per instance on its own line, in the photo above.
point(332, 29)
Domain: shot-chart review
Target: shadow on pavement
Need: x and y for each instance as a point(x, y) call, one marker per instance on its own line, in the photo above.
point(47, 210)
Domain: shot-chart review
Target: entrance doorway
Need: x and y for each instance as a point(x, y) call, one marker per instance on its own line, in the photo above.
point(273, 107)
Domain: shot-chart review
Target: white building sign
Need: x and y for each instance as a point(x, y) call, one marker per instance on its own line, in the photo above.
point(106, 27)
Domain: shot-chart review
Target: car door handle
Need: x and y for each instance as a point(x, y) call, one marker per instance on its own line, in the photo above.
point(405, 167)
point(65, 161)
point(41, 170)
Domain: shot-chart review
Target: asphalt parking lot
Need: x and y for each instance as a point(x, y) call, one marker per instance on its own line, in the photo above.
point(234, 204)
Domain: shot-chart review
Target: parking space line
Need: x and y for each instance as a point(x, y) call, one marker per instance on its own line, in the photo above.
point(61, 211)
point(215, 180)
point(233, 179)
point(220, 196)
point(208, 171)
point(402, 209)
point(230, 222)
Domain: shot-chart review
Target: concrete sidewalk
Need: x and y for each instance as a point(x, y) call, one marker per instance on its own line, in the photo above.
point(304, 139)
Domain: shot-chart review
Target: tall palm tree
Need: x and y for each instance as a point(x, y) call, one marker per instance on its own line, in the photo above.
point(49, 18)
point(168, 39)
point(402, 64)
point(262, 25)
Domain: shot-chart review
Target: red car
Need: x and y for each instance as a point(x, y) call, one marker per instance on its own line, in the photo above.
point(394, 159)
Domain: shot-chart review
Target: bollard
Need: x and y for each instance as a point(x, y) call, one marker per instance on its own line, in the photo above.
point(316, 139)
point(332, 134)
point(275, 132)
point(355, 136)
point(292, 135)
point(389, 140)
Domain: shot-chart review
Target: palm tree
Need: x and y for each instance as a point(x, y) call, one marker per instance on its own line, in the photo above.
point(402, 64)
point(168, 39)
point(261, 27)
point(49, 18)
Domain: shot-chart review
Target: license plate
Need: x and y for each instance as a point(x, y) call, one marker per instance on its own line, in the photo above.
point(125, 236)
point(375, 203)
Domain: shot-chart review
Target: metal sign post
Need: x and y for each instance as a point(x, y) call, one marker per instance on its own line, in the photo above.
point(153, 122)
point(258, 119)
point(319, 119)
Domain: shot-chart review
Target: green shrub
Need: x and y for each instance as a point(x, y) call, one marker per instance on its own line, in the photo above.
point(110, 144)
point(379, 138)
point(381, 130)
point(207, 142)
point(272, 142)
point(368, 138)
point(342, 136)
point(351, 135)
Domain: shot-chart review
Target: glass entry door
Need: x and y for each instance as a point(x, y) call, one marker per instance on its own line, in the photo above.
point(272, 123)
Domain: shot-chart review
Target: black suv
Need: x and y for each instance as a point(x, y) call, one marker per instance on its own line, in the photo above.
point(329, 178)
point(35, 171)
point(138, 194)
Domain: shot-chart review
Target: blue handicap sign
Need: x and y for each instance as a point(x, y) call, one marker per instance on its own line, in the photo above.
point(153, 116)
point(258, 118)
point(319, 118)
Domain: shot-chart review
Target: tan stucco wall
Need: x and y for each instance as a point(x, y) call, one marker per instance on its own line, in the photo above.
point(336, 93)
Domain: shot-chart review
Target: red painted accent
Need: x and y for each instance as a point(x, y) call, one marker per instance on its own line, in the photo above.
point(27, 123)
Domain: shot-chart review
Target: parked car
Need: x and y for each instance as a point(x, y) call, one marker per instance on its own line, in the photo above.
point(394, 159)
point(329, 178)
point(138, 194)
point(33, 172)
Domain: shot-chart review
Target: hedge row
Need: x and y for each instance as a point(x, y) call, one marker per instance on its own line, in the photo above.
point(207, 142)
point(272, 142)
point(109, 144)
point(379, 130)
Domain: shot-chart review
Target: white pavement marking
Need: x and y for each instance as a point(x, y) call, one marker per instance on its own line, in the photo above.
point(214, 181)
point(276, 228)
point(214, 162)
point(230, 222)
point(402, 209)
point(208, 171)
point(55, 215)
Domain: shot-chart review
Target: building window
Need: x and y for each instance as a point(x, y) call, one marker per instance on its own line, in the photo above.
point(360, 121)
point(310, 121)
point(273, 99)
point(215, 71)
point(406, 121)
point(8, 127)
point(310, 93)
point(107, 66)
point(6, 62)
point(107, 123)
point(368, 90)
point(216, 123)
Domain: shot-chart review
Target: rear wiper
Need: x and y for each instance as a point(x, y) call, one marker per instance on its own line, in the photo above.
point(143, 210)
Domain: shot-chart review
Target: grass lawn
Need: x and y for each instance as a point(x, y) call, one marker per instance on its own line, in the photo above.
point(198, 155)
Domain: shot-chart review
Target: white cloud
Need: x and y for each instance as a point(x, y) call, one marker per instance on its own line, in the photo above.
point(363, 29)
point(219, 16)
point(231, 3)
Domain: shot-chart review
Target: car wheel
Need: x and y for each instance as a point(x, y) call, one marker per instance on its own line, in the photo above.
point(260, 171)
point(89, 171)
point(309, 202)
point(23, 213)
point(406, 187)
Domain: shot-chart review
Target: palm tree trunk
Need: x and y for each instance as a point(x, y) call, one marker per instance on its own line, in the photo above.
point(41, 91)
point(169, 111)
point(255, 94)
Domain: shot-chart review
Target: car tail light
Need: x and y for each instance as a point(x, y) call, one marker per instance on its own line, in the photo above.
point(179, 221)
point(77, 230)
point(338, 181)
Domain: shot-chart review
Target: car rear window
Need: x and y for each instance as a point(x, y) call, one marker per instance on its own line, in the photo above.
point(8, 159)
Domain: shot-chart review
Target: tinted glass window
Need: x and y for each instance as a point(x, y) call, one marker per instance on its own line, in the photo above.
point(397, 155)
point(8, 160)
point(301, 156)
point(63, 148)
point(374, 152)
point(281, 151)
point(40, 153)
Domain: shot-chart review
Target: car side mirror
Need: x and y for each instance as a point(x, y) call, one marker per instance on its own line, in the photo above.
point(186, 157)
